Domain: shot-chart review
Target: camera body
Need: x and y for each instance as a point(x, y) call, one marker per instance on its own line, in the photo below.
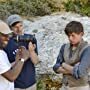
point(25, 38)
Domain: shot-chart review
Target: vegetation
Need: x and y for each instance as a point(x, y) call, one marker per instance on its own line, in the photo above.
point(42, 7)
point(78, 6)
point(27, 7)
point(45, 82)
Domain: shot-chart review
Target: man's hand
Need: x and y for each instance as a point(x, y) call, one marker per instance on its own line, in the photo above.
point(31, 47)
point(32, 53)
point(68, 67)
point(62, 70)
point(22, 53)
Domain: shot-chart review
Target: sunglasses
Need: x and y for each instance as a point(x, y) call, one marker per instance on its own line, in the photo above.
point(4, 37)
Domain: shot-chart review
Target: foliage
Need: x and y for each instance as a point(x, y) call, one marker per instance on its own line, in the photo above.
point(78, 6)
point(46, 82)
point(29, 8)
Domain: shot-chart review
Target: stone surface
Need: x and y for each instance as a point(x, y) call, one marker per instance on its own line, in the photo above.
point(49, 31)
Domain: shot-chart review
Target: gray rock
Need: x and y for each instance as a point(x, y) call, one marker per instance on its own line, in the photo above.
point(49, 31)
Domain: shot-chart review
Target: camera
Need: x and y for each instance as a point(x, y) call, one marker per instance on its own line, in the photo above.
point(23, 38)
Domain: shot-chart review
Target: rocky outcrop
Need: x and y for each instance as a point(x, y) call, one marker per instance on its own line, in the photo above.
point(49, 31)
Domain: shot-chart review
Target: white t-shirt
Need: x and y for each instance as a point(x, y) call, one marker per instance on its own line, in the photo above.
point(4, 67)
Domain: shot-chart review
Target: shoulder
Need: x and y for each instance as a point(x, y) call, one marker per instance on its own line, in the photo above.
point(62, 48)
point(86, 51)
point(11, 44)
point(64, 45)
point(87, 48)
point(3, 57)
point(2, 53)
point(11, 40)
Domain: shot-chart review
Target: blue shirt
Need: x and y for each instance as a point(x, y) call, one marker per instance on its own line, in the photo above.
point(27, 75)
point(79, 70)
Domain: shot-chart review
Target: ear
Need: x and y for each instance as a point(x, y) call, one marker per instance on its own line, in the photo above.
point(82, 33)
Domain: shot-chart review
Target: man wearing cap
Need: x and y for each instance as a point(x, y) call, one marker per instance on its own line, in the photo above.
point(26, 80)
point(9, 73)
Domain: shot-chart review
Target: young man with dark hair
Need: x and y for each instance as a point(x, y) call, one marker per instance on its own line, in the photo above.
point(26, 79)
point(73, 60)
point(9, 73)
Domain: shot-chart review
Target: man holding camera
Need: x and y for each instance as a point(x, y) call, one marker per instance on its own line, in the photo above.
point(9, 73)
point(26, 80)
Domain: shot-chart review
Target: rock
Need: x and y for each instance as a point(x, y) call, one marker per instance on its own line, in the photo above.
point(49, 31)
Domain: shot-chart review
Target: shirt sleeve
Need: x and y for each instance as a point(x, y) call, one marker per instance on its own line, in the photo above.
point(4, 62)
point(81, 69)
point(60, 59)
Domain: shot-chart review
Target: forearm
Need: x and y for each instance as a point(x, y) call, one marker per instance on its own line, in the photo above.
point(17, 69)
point(68, 67)
point(22, 55)
point(62, 70)
point(13, 73)
point(34, 57)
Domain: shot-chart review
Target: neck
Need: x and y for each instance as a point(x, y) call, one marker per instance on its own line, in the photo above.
point(76, 45)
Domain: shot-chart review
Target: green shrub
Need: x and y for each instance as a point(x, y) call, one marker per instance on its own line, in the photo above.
point(30, 7)
point(85, 11)
point(3, 11)
point(78, 6)
point(69, 6)
point(42, 7)
point(25, 7)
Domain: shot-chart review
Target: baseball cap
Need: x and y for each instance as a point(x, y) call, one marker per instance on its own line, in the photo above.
point(13, 19)
point(4, 28)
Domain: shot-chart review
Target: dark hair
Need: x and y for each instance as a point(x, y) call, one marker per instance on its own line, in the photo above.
point(14, 24)
point(73, 26)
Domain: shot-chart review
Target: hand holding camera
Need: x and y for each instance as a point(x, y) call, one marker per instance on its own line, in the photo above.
point(31, 47)
point(22, 53)
point(22, 38)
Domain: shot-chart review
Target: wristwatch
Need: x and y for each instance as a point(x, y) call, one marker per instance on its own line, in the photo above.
point(22, 60)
